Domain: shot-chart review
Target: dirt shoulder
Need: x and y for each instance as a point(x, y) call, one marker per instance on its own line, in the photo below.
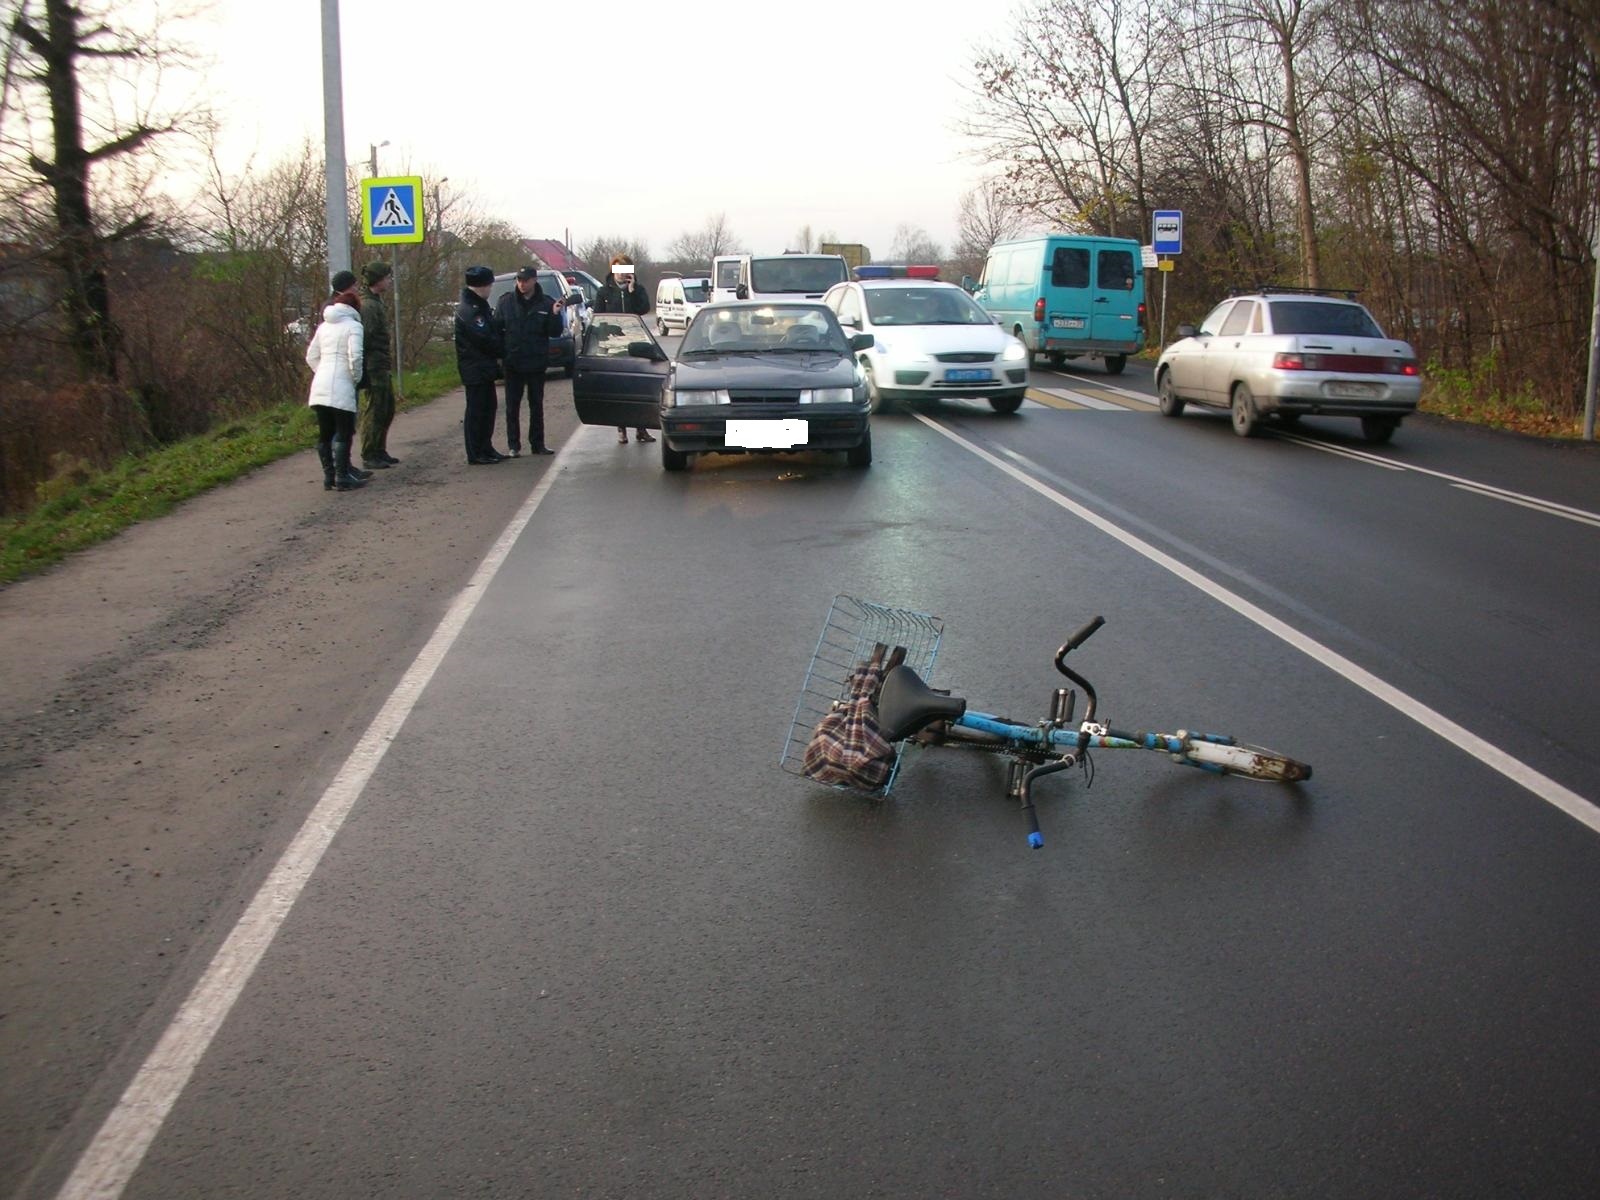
point(175, 701)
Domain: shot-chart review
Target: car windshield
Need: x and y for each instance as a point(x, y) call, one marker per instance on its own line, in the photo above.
point(1315, 316)
point(695, 291)
point(923, 306)
point(775, 328)
point(795, 274)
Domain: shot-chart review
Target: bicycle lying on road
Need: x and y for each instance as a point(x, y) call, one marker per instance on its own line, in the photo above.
point(864, 700)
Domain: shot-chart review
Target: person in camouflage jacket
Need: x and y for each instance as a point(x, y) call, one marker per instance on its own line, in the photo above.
point(378, 412)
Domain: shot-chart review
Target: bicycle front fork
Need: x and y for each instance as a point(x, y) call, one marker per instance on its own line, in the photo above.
point(1020, 785)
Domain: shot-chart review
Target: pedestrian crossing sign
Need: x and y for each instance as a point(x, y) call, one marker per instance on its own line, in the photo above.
point(391, 210)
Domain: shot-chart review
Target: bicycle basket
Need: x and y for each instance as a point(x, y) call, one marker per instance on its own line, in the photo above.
point(832, 698)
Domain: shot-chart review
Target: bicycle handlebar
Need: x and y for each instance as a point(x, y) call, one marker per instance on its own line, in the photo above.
point(1073, 642)
point(1082, 636)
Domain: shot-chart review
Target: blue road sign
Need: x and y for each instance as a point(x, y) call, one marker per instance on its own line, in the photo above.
point(1166, 231)
point(391, 210)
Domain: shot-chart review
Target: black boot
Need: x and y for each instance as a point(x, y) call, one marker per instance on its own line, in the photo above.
point(346, 476)
point(325, 454)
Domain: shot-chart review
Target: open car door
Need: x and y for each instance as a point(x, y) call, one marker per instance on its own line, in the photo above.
point(620, 372)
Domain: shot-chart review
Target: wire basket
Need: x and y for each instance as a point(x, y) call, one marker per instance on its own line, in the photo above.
point(849, 632)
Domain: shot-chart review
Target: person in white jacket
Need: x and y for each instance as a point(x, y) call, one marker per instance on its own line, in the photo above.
point(334, 356)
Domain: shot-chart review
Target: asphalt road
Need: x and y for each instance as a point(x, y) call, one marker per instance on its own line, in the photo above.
point(580, 936)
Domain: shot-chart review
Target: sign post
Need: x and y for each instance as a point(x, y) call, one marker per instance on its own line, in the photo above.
point(1166, 239)
point(391, 214)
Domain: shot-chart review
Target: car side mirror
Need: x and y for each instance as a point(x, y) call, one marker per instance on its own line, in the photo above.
point(862, 341)
point(742, 292)
point(647, 350)
point(969, 284)
point(575, 297)
point(1187, 331)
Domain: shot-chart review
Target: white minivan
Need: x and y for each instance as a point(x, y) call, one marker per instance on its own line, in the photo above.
point(678, 300)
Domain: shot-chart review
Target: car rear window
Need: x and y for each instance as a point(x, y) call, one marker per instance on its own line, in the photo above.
point(695, 293)
point(1314, 316)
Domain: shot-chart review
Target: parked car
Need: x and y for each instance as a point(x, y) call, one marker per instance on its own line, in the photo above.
point(585, 283)
point(930, 340)
point(575, 315)
point(1288, 353)
point(678, 300)
point(1068, 295)
point(750, 378)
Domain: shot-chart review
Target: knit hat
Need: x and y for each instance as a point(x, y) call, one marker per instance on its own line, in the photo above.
point(343, 281)
point(376, 272)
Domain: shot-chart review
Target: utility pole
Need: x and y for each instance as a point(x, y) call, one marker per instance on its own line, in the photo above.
point(1594, 331)
point(338, 204)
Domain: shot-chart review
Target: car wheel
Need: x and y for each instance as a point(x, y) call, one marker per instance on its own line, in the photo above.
point(1245, 419)
point(672, 460)
point(1379, 429)
point(1115, 363)
point(661, 327)
point(1057, 359)
point(876, 403)
point(860, 455)
point(1170, 403)
point(1005, 404)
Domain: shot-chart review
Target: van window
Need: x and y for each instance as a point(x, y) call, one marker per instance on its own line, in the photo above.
point(1115, 270)
point(994, 271)
point(1239, 319)
point(1069, 267)
point(728, 274)
point(1024, 270)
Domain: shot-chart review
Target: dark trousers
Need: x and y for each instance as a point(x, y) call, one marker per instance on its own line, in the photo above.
point(333, 423)
point(376, 417)
point(478, 424)
point(533, 382)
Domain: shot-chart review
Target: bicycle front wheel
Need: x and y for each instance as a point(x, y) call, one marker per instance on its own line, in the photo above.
point(1248, 762)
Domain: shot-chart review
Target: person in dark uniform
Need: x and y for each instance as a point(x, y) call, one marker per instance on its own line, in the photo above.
point(378, 412)
point(622, 294)
point(528, 319)
point(478, 350)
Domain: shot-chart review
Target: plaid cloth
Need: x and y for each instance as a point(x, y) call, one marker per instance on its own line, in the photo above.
point(847, 748)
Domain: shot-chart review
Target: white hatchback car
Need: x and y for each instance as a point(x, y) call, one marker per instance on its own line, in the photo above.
point(930, 340)
point(1289, 353)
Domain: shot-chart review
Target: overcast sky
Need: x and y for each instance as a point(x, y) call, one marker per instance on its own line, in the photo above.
point(634, 119)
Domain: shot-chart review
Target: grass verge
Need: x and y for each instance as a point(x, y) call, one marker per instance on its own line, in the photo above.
point(83, 508)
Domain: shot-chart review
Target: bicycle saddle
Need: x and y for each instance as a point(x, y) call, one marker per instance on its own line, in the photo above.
point(906, 704)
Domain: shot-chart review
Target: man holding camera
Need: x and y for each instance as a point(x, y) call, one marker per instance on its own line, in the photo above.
point(622, 294)
point(528, 320)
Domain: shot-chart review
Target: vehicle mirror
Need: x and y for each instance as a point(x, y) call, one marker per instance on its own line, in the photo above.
point(1186, 331)
point(969, 284)
point(647, 350)
point(574, 297)
point(850, 322)
point(862, 341)
point(742, 292)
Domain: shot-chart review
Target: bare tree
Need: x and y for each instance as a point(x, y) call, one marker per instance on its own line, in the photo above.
point(913, 245)
point(701, 246)
point(985, 217)
point(804, 241)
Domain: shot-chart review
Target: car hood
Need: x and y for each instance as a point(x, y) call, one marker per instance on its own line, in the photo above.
point(809, 369)
point(941, 339)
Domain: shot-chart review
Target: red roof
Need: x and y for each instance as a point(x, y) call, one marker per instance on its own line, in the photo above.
point(552, 254)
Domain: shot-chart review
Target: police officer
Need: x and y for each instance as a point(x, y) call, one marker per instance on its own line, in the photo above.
point(378, 412)
point(478, 351)
point(528, 320)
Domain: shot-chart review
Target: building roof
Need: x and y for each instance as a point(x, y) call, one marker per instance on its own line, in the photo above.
point(548, 252)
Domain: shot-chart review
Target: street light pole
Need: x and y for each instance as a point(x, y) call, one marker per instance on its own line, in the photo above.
point(338, 202)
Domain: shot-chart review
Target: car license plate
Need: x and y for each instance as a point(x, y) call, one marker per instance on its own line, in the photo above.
point(1353, 391)
point(1066, 322)
point(766, 435)
point(967, 376)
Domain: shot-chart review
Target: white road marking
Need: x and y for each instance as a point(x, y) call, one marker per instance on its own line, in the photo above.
point(1568, 801)
point(112, 1157)
point(1096, 381)
point(1550, 507)
point(1085, 399)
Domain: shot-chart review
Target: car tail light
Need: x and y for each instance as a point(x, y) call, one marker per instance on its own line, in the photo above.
point(1293, 360)
point(1038, 309)
point(1141, 314)
point(1403, 366)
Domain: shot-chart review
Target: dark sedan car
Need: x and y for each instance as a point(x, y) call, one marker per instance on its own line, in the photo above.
point(750, 378)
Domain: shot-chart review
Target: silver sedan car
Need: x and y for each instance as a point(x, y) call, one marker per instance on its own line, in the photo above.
point(1288, 353)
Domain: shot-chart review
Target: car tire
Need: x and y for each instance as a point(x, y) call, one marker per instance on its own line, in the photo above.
point(1378, 430)
point(1115, 363)
point(876, 402)
point(1168, 400)
point(860, 455)
point(1057, 359)
point(661, 327)
point(1005, 405)
point(672, 460)
point(1245, 419)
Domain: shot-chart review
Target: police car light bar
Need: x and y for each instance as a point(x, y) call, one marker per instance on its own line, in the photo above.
point(885, 271)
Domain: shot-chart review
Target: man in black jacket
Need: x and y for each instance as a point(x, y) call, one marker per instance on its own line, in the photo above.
point(623, 294)
point(528, 320)
point(478, 351)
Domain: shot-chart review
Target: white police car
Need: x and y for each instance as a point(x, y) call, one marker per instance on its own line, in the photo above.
point(930, 340)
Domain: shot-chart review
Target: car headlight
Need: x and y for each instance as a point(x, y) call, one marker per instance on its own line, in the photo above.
point(1016, 351)
point(691, 397)
point(833, 395)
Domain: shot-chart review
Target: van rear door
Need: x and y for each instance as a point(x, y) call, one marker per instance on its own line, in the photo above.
point(1069, 300)
point(1116, 305)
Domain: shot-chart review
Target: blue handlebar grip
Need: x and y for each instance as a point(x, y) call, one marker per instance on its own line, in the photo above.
point(1036, 840)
